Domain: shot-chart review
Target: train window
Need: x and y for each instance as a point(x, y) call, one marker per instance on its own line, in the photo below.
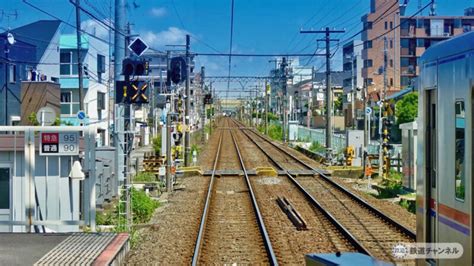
point(459, 163)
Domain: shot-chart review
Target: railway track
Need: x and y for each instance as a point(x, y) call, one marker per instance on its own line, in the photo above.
point(231, 228)
point(371, 231)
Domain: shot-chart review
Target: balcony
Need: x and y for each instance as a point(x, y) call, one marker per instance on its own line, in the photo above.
point(410, 70)
point(407, 52)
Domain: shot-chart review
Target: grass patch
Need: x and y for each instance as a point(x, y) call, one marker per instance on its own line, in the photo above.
point(409, 205)
point(142, 210)
point(317, 147)
point(145, 177)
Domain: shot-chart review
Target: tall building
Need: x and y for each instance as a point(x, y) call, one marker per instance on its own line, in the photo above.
point(404, 44)
point(94, 56)
point(352, 63)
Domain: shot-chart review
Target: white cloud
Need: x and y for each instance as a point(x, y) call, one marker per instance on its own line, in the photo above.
point(95, 28)
point(158, 12)
point(158, 40)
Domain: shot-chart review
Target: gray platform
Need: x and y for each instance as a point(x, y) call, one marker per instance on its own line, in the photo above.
point(62, 248)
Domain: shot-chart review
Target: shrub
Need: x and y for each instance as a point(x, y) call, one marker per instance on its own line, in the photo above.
point(408, 205)
point(275, 132)
point(142, 206)
point(316, 147)
point(145, 177)
point(157, 144)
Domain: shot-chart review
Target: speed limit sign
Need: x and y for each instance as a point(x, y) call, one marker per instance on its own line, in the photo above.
point(59, 144)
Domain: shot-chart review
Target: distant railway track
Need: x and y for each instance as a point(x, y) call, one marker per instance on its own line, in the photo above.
point(371, 231)
point(231, 228)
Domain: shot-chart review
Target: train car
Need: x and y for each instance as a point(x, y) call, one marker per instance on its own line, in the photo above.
point(445, 147)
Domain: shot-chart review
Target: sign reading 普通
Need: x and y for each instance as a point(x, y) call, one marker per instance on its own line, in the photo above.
point(53, 143)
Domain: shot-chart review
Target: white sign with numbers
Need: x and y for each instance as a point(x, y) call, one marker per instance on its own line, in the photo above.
point(59, 144)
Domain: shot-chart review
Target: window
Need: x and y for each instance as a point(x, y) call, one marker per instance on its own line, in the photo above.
point(68, 63)
point(386, 25)
point(466, 27)
point(391, 24)
point(459, 162)
point(70, 102)
point(420, 42)
point(404, 43)
point(457, 23)
point(391, 62)
point(367, 44)
point(391, 82)
point(405, 81)
point(420, 23)
point(11, 73)
point(369, 25)
point(4, 188)
point(100, 67)
point(391, 44)
point(100, 101)
point(368, 63)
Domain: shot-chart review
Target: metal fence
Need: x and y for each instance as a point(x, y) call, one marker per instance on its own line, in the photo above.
point(338, 140)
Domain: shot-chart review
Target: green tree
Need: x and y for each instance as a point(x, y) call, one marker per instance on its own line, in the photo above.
point(338, 103)
point(406, 110)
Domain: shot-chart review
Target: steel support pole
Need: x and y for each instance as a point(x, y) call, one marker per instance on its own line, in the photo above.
point(187, 148)
point(266, 106)
point(169, 181)
point(329, 105)
point(79, 57)
point(203, 108)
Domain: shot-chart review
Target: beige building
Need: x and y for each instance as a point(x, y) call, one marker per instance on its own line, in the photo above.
point(405, 44)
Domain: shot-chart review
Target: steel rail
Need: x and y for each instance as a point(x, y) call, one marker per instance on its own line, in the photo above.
point(261, 224)
point(352, 239)
point(353, 196)
point(202, 226)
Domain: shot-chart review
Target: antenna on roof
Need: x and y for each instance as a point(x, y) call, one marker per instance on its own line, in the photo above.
point(8, 15)
point(433, 8)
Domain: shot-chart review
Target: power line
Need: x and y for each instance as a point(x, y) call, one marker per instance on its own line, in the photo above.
point(65, 22)
point(97, 19)
point(255, 55)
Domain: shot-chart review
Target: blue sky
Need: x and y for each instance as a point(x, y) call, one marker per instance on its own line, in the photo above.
point(260, 26)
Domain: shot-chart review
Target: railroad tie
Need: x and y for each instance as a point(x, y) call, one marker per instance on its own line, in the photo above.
point(292, 213)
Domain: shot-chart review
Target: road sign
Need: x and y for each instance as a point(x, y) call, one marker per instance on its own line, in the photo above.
point(81, 115)
point(46, 116)
point(368, 110)
point(138, 46)
point(59, 144)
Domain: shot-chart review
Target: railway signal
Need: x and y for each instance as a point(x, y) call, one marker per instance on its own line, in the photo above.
point(135, 67)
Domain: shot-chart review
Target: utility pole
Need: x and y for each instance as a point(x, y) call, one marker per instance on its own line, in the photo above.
point(353, 90)
point(382, 99)
point(329, 96)
point(169, 181)
point(284, 81)
point(267, 94)
point(79, 59)
point(187, 148)
point(203, 108)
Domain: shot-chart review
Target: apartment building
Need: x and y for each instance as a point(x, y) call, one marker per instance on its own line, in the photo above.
point(404, 44)
point(94, 56)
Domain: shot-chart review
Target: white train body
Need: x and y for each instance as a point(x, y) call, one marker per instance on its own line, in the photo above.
point(445, 147)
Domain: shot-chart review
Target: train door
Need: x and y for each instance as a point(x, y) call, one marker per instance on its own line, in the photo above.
point(431, 167)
